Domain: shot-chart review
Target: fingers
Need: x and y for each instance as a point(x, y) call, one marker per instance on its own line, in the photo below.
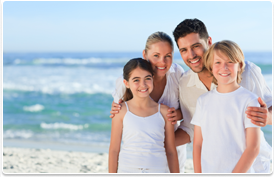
point(172, 115)
point(262, 103)
point(112, 116)
point(261, 124)
point(257, 109)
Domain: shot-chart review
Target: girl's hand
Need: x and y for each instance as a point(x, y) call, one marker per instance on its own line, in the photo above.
point(115, 108)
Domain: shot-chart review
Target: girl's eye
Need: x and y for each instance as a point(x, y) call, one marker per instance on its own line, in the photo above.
point(136, 80)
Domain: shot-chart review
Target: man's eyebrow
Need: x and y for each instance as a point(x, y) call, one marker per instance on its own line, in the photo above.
point(191, 46)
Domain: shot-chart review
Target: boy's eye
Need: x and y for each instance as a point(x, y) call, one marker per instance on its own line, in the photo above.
point(155, 55)
point(148, 78)
point(217, 62)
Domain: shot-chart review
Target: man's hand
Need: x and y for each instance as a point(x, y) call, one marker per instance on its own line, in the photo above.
point(260, 116)
point(115, 108)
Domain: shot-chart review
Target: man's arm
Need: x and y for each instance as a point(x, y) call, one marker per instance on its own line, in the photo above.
point(181, 137)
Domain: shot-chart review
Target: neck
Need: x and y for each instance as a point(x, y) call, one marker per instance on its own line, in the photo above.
point(141, 101)
point(206, 78)
point(227, 88)
point(158, 79)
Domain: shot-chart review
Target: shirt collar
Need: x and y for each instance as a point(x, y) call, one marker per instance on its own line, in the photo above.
point(195, 81)
point(171, 70)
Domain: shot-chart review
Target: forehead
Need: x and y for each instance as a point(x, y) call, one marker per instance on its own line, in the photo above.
point(138, 72)
point(189, 40)
point(220, 55)
point(161, 46)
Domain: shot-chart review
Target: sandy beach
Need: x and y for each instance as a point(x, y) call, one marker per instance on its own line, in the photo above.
point(31, 160)
point(26, 160)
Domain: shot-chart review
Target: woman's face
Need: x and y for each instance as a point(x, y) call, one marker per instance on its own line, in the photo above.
point(160, 55)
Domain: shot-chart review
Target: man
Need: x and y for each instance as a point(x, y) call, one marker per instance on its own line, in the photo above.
point(193, 40)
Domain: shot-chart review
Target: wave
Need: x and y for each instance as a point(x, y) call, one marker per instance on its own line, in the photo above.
point(60, 125)
point(33, 108)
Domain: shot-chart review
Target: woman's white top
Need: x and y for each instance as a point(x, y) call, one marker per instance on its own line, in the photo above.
point(143, 141)
point(223, 121)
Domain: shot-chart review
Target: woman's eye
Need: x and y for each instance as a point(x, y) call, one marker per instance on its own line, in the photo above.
point(168, 56)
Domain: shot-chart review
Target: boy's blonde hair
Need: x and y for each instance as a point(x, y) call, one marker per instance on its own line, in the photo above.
point(231, 50)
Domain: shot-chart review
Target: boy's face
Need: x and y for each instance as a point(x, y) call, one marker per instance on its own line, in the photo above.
point(192, 48)
point(224, 70)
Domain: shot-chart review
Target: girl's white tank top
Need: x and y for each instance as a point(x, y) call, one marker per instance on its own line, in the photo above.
point(143, 141)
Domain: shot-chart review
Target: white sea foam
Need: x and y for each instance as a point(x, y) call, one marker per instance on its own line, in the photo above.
point(18, 134)
point(34, 108)
point(60, 125)
point(54, 80)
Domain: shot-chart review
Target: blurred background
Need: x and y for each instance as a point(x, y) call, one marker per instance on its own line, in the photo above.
point(61, 60)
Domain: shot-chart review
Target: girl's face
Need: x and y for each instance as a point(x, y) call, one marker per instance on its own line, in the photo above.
point(140, 82)
point(224, 70)
point(160, 56)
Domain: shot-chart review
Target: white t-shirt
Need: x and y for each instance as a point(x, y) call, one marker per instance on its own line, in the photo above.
point(170, 97)
point(223, 121)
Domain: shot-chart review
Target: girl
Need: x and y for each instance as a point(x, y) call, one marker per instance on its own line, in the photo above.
point(225, 140)
point(159, 52)
point(142, 125)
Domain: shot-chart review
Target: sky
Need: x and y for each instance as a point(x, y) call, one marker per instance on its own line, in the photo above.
point(123, 26)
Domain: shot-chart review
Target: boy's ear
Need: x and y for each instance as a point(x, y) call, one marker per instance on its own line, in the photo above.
point(240, 66)
point(126, 83)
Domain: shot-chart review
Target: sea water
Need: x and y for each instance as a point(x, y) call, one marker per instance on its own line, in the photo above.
point(65, 98)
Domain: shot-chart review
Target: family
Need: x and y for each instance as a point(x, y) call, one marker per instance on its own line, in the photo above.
point(221, 103)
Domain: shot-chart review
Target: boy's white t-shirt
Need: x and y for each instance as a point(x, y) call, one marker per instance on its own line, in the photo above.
point(223, 121)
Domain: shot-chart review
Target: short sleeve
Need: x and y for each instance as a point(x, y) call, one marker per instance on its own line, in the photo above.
point(120, 89)
point(253, 80)
point(196, 120)
point(247, 121)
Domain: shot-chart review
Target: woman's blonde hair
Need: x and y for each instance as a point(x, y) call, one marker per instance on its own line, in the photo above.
point(231, 50)
point(158, 37)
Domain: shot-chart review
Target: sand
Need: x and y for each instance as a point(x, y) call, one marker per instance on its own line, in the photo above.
point(31, 160)
point(26, 160)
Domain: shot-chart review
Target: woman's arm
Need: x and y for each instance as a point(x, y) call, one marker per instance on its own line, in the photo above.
point(169, 141)
point(251, 152)
point(197, 144)
point(116, 133)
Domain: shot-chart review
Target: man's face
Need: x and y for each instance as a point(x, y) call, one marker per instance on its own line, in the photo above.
point(192, 48)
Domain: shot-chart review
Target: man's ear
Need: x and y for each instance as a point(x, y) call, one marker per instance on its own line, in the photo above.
point(209, 41)
point(126, 83)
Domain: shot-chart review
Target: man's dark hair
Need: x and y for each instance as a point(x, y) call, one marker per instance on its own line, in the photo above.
point(190, 26)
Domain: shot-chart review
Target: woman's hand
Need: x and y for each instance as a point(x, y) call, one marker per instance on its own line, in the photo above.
point(115, 108)
point(174, 115)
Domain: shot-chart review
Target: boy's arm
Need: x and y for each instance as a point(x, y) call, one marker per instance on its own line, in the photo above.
point(251, 152)
point(116, 133)
point(169, 141)
point(197, 144)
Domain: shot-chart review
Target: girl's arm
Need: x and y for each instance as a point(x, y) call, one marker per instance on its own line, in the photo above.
point(169, 141)
point(197, 144)
point(116, 133)
point(251, 151)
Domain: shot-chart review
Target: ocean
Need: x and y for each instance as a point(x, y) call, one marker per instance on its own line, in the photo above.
point(63, 100)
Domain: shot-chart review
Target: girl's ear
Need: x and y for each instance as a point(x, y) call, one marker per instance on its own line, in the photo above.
point(126, 83)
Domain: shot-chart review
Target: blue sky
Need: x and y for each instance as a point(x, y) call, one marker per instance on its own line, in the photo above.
point(123, 26)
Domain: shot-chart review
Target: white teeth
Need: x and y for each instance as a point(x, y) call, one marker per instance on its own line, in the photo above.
point(161, 67)
point(194, 61)
point(224, 74)
point(143, 90)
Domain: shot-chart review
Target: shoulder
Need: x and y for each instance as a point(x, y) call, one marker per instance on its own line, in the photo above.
point(245, 93)
point(176, 71)
point(251, 68)
point(186, 76)
point(122, 111)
